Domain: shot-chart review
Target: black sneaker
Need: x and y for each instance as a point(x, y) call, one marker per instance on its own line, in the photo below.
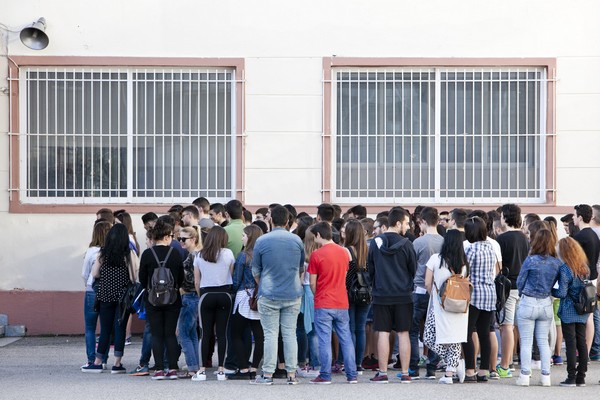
point(239, 376)
point(569, 382)
point(430, 373)
point(118, 369)
point(280, 374)
point(397, 365)
point(579, 382)
point(482, 379)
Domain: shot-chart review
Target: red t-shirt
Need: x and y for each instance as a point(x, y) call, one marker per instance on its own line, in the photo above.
point(330, 264)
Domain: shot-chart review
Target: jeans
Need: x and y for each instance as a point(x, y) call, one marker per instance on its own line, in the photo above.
point(273, 314)
point(188, 332)
point(358, 320)
point(420, 307)
point(146, 345)
point(308, 344)
point(91, 320)
point(535, 316)
point(325, 320)
point(595, 350)
point(108, 312)
point(574, 335)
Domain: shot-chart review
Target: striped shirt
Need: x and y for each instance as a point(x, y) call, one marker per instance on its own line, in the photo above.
point(482, 269)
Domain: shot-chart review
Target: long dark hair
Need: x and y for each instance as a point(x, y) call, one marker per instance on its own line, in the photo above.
point(253, 232)
point(216, 239)
point(125, 219)
point(355, 238)
point(116, 248)
point(453, 252)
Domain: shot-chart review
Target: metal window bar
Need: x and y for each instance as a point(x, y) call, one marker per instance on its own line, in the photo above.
point(480, 176)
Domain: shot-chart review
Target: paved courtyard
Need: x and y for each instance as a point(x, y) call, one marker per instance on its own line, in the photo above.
point(48, 368)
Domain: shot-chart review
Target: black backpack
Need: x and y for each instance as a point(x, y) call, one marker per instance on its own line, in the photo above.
point(360, 289)
point(587, 301)
point(503, 287)
point(161, 290)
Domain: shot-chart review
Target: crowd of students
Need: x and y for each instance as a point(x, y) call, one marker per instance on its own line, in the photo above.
point(307, 323)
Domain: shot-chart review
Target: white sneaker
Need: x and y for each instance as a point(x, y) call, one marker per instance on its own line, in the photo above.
point(523, 380)
point(536, 364)
point(446, 380)
point(221, 376)
point(460, 370)
point(545, 380)
point(226, 371)
point(199, 376)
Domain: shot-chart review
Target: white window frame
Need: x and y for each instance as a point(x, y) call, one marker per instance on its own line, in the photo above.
point(230, 187)
point(437, 198)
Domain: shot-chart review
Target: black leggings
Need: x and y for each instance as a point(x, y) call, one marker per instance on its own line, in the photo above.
point(238, 327)
point(575, 343)
point(163, 323)
point(479, 321)
point(215, 309)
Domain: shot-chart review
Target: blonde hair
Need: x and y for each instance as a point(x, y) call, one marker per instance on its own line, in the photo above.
point(192, 231)
point(309, 243)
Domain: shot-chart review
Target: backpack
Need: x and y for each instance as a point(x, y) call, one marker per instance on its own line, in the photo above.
point(359, 288)
point(503, 288)
point(455, 294)
point(162, 291)
point(587, 301)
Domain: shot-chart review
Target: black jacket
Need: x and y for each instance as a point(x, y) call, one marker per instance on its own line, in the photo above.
point(392, 264)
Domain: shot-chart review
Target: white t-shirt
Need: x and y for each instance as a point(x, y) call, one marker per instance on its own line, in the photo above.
point(218, 273)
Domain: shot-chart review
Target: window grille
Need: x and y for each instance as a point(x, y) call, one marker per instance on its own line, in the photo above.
point(126, 135)
point(439, 135)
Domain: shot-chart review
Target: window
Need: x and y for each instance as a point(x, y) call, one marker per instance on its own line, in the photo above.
point(439, 135)
point(126, 135)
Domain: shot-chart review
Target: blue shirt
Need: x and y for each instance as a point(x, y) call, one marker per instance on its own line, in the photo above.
point(569, 287)
point(278, 260)
point(537, 276)
point(242, 273)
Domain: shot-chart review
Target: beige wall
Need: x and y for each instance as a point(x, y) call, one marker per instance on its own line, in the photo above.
point(283, 46)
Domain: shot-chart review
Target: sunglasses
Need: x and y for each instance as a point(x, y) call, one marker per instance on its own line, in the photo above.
point(183, 239)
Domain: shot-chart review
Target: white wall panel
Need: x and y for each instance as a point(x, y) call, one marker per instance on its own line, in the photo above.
point(295, 186)
point(283, 150)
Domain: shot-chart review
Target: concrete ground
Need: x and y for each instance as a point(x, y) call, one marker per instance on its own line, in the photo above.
point(49, 368)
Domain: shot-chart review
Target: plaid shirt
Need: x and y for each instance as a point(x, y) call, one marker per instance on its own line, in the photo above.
point(482, 268)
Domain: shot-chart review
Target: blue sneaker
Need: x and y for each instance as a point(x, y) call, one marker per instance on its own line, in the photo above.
point(92, 368)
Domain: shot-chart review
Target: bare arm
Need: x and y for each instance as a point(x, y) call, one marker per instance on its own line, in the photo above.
point(197, 277)
point(313, 283)
point(428, 280)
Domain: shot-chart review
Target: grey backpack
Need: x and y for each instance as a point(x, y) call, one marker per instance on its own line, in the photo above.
point(162, 291)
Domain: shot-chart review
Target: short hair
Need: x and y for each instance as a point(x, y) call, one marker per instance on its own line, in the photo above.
point(479, 213)
point(444, 213)
point(280, 216)
point(337, 211)
point(192, 210)
point(430, 215)
point(203, 203)
point(338, 223)
point(382, 221)
point(596, 211)
point(149, 217)
point(397, 215)
point(176, 208)
point(531, 217)
point(247, 215)
point(217, 208)
point(359, 211)
point(475, 230)
point(326, 212)
point(293, 213)
point(367, 224)
point(550, 219)
point(106, 214)
point(585, 212)
point(262, 211)
point(302, 214)
point(459, 215)
point(323, 229)
point(262, 225)
point(566, 218)
point(512, 215)
point(234, 208)
point(382, 214)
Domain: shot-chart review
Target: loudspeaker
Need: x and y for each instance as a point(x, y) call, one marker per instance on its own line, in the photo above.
point(34, 37)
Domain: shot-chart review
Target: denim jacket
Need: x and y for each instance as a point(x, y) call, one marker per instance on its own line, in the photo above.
point(569, 287)
point(277, 262)
point(537, 276)
point(242, 273)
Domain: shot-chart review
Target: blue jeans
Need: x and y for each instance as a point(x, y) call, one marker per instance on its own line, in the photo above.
point(146, 345)
point(308, 344)
point(534, 316)
point(358, 320)
point(325, 320)
point(91, 321)
point(595, 350)
point(188, 330)
point(420, 306)
point(274, 314)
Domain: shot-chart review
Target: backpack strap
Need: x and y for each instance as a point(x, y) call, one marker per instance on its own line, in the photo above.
point(156, 257)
